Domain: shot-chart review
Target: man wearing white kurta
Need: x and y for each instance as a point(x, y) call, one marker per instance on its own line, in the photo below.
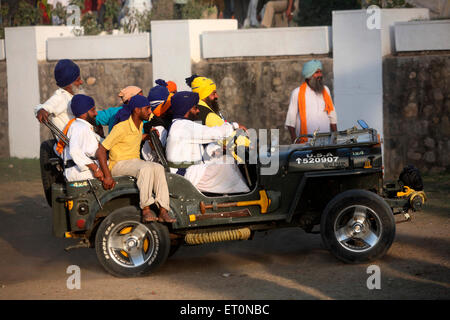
point(187, 145)
point(79, 154)
point(318, 113)
point(67, 76)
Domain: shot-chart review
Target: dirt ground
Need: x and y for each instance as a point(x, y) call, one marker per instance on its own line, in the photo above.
point(286, 264)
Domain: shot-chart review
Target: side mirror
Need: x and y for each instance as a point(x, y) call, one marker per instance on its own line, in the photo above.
point(363, 124)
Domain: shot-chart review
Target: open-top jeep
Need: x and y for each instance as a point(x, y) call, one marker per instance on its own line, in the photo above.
point(334, 181)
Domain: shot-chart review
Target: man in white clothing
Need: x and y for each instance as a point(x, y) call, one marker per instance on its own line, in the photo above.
point(67, 76)
point(79, 154)
point(187, 149)
point(311, 107)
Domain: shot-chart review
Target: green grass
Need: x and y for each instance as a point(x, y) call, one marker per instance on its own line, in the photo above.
point(14, 169)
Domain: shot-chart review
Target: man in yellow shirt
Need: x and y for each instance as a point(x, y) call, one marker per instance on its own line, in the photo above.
point(123, 143)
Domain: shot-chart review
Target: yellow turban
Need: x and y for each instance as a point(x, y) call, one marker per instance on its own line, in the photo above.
point(203, 86)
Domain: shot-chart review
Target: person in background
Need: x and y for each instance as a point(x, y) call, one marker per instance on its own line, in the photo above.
point(271, 9)
point(311, 107)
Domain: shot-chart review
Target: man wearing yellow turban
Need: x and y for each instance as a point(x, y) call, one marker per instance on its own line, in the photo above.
point(208, 106)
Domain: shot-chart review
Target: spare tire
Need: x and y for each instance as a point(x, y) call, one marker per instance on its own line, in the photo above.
point(411, 177)
point(49, 171)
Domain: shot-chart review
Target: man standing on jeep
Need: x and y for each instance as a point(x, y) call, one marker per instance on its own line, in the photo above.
point(311, 107)
point(123, 143)
point(67, 76)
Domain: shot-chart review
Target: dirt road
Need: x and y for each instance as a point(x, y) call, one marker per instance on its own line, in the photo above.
point(282, 264)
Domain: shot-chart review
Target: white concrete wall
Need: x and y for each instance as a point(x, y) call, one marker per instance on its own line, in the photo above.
point(130, 46)
point(422, 35)
point(389, 17)
point(357, 70)
point(2, 49)
point(176, 44)
point(266, 42)
point(357, 62)
point(24, 47)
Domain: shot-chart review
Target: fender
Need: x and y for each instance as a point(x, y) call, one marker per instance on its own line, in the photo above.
point(321, 174)
point(124, 186)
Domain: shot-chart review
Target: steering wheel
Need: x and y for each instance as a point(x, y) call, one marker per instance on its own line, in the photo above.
point(238, 143)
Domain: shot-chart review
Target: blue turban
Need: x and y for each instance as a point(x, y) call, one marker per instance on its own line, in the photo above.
point(81, 104)
point(136, 101)
point(310, 68)
point(157, 95)
point(182, 102)
point(66, 71)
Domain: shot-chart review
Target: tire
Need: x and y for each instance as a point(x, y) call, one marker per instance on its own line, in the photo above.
point(357, 226)
point(126, 247)
point(49, 173)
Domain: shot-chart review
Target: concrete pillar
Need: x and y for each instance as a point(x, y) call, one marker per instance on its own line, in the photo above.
point(25, 46)
point(360, 40)
point(177, 43)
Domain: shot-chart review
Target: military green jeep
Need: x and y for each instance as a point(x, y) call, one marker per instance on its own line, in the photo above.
point(332, 185)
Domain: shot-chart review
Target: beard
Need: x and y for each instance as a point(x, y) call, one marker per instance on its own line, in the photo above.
point(78, 90)
point(213, 103)
point(316, 84)
point(91, 120)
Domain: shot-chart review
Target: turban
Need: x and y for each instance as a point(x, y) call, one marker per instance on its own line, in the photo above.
point(157, 95)
point(203, 86)
point(171, 86)
point(137, 101)
point(310, 68)
point(66, 71)
point(128, 92)
point(81, 104)
point(182, 102)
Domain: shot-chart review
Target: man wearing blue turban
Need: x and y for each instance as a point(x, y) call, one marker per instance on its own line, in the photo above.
point(79, 155)
point(123, 143)
point(311, 107)
point(67, 76)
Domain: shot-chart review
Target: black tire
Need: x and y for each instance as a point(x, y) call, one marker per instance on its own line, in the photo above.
point(122, 235)
point(357, 226)
point(49, 172)
point(174, 248)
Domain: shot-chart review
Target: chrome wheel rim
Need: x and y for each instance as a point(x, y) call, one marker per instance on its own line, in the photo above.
point(358, 228)
point(130, 244)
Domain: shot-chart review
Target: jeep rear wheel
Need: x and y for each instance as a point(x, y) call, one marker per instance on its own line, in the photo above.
point(357, 226)
point(126, 247)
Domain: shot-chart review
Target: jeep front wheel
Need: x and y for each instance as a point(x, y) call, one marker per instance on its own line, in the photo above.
point(357, 226)
point(126, 247)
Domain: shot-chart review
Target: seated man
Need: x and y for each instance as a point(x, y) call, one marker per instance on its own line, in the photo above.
point(187, 154)
point(79, 154)
point(123, 143)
